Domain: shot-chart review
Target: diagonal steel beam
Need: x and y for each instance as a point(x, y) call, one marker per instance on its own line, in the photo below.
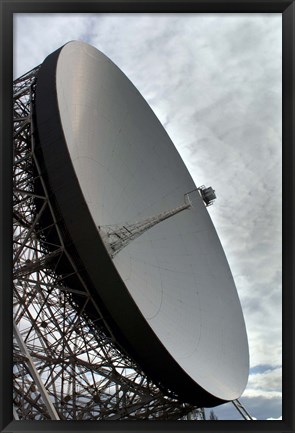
point(33, 371)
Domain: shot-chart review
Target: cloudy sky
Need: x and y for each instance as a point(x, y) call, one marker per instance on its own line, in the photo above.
point(214, 81)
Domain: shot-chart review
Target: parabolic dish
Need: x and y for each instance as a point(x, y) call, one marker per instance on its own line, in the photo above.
point(168, 296)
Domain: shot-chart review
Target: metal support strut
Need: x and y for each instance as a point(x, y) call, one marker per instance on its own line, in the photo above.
point(117, 237)
point(245, 414)
point(34, 373)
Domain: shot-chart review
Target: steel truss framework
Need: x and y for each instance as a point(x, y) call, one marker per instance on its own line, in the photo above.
point(66, 365)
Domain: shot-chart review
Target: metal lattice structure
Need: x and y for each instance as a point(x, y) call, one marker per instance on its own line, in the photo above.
point(117, 237)
point(66, 364)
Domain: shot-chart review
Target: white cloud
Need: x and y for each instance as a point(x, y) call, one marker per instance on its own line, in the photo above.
point(268, 380)
point(37, 35)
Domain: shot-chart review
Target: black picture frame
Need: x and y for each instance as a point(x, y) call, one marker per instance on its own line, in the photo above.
point(8, 8)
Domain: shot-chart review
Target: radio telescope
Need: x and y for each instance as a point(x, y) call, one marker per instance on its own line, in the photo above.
point(121, 237)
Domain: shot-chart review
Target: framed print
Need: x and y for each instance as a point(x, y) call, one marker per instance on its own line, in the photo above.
point(147, 185)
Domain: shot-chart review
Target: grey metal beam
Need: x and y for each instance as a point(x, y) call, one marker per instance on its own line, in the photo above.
point(49, 405)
